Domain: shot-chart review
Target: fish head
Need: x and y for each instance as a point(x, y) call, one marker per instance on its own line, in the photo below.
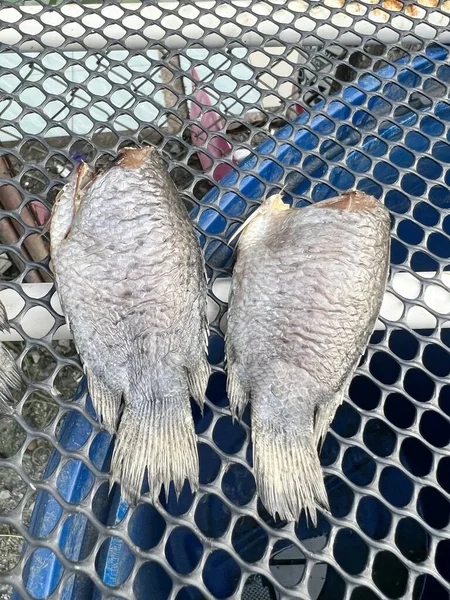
point(353, 204)
point(134, 158)
point(350, 201)
point(145, 159)
point(270, 207)
point(143, 162)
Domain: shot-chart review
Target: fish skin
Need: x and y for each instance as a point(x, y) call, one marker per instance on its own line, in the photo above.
point(131, 278)
point(306, 292)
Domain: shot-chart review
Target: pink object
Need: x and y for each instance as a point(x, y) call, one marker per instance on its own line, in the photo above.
point(210, 121)
point(41, 214)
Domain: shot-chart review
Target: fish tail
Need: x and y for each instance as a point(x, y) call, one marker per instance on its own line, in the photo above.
point(157, 434)
point(198, 381)
point(106, 402)
point(287, 469)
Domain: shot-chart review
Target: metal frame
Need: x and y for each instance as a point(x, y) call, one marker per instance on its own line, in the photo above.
point(364, 109)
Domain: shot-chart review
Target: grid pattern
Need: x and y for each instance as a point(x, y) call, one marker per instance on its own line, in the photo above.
point(242, 98)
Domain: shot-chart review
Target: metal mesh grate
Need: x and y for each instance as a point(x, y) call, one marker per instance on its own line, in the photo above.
point(242, 98)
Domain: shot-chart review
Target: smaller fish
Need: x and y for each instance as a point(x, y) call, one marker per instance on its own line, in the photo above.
point(131, 279)
point(9, 373)
point(306, 291)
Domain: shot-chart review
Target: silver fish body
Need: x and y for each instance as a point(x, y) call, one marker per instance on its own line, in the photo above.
point(131, 279)
point(306, 292)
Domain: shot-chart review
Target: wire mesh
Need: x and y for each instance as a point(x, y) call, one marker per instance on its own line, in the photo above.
point(242, 98)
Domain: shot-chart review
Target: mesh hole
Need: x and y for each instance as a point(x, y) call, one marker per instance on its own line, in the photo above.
point(212, 516)
point(400, 411)
point(12, 489)
point(190, 593)
point(210, 463)
point(74, 470)
point(350, 551)
point(79, 585)
point(384, 368)
point(433, 507)
point(83, 547)
point(379, 437)
point(31, 572)
point(66, 382)
point(435, 429)
point(12, 437)
point(229, 436)
point(389, 574)
point(412, 540)
point(346, 421)
point(333, 584)
point(364, 392)
point(427, 586)
point(221, 574)
point(249, 539)
point(183, 550)
point(287, 563)
point(36, 459)
point(39, 410)
point(38, 364)
point(363, 593)
point(416, 457)
point(330, 450)
point(358, 466)
point(152, 581)
point(340, 496)
point(395, 486)
point(238, 485)
point(146, 526)
point(373, 517)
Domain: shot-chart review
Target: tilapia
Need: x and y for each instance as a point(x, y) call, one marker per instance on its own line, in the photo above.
point(9, 373)
point(131, 279)
point(306, 292)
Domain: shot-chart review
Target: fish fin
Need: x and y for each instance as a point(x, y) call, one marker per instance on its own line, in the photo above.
point(4, 324)
point(237, 394)
point(322, 421)
point(46, 227)
point(288, 474)
point(198, 378)
point(106, 402)
point(324, 413)
point(274, 202)
point(156, 434)
point(67, 204)
point(9, 379)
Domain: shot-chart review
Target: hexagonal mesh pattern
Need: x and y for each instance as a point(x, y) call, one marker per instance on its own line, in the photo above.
point(242, 98)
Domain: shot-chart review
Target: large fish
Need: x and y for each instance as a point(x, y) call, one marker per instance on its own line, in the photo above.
point(131, 279)
point(306, 292)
